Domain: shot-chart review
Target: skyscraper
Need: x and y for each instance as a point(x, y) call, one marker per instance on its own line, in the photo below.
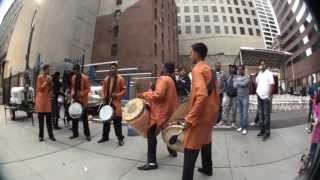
point(224, 25)
point(267, 20)
point(300, 36)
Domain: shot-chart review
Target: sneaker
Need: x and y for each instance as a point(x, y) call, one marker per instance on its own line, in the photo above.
point(253, 124)
point(244, 132)
point(239, 129)
point(206, 172)
point(221, 123)
point(148, 166)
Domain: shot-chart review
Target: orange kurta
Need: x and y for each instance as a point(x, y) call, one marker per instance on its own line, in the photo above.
point(43, 94)
point(163, 100)
point(120, 90)
point(204, 109)
point(84, 89)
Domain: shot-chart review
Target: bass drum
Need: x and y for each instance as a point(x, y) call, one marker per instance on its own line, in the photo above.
point(176, 125)
point(75, 110)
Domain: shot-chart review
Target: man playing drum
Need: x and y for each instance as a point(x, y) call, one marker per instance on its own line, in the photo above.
point(163, 100)
point(202, 115)
point(79, 92)
point(113, 89)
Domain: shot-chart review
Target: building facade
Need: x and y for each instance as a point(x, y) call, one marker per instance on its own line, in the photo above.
point(268, 22)
point(224, 25)
point(62, 29)
point(300, 36)
point(137, 33)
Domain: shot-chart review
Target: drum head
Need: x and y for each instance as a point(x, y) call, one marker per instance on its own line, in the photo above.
point(75, 110)
point(133, 109)
point(170, 131)
point(105, 113)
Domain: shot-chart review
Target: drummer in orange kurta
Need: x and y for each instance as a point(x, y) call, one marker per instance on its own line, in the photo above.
point(202, 115)
point(163, 100)
point(43, 102)
point(80, 89)
point(113, 89)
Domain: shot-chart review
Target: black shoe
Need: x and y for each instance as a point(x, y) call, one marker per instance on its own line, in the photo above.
point(74, 136)
point(40, 139)
point(206, 172)
point(103, 140)
point(57, 128)
point(260, 134)
point(148, 166)
point(52, 139)
point(265, 137)
point(121, 142)
point(88, 138)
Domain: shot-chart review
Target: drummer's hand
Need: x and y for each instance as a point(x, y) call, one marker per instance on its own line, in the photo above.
point(114, 95)
point(187, 125)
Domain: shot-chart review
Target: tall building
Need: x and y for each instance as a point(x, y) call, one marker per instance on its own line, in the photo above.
point(62, 29)
point(137, 33)
point(300, 36)
point(224, 25)
point(268, 22)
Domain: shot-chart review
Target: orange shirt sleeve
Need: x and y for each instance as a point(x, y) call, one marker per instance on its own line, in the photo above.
point(200, 93)
point(86, 90)
point(42, 84)
point(158, 93)
point(122, 88)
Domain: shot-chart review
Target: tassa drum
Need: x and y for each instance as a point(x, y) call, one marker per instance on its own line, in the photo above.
point(136, 114)
point(75, 110)
point(105, 113)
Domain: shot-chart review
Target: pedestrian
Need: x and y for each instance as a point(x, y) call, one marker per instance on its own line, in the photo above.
point(202, 115)
point(265, 83)
point(242, 84)
point(183, 84)
point(54, 100)
point(312, 89)
point(316, 131)
point(113, 89)
point(164, 100)
point(80, 90)
point(221, 80)
point(229, 102)
point(43, 103)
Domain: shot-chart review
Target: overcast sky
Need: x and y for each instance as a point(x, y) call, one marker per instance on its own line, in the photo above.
point(4, 6)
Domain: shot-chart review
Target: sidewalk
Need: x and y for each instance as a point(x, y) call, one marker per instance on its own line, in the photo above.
point(236, 157)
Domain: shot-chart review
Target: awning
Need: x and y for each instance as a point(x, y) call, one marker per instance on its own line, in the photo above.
point(252, 56)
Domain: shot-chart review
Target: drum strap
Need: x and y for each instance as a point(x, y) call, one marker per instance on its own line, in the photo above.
point(111, 87)
point(77, 85)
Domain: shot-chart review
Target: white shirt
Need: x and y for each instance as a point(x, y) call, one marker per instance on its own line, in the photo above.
point(264, 81)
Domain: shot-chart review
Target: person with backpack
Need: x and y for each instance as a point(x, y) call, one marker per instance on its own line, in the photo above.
point(229, 102)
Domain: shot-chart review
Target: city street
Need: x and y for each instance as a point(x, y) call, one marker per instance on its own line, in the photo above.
point(235, 157)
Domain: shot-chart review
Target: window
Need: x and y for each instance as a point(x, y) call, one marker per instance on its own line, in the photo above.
point(230, 9)
point(245, 11)
point(155, 30)
point(206, 18)
point(217, 29)
point(240, 20)
point(235, 2)
point(243, 3)
point(238, 10)
point(198, 29)
point(179, 19)
point(115, 31)
point(195, 9)
point(207, 29)
point(253, 12)
point(186, 9)
point(226, 29)
point(258, 32)
point(179, 30)
point(228, 1)
point(232, 19)
point(188, 29)
point(215, 18)
point(178, 9)
point(187, 19)
point(155, 13)
point(214, 9)
point(155, 49)
point(196, 18)
point(234, 30)
point(250, 4)
point(221, 1)
point(223, 10)
point(119, 2)
point(224, 18)
point(242, 31)
point(248, 21)
point(250, 31)
point(205, 8)
point(114, 50)
point(256, 22)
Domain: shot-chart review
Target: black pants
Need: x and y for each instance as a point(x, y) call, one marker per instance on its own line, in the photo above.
point(55, 111)
point(310, 111)
point(41, 117)
point(190, 158)
point(75, 124)
point(117, 123)
point(264, 115)
point(220, 110)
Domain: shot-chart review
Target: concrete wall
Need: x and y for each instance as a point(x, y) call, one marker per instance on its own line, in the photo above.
point(63, 29)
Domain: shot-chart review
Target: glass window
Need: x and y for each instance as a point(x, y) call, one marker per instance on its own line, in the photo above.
point(245, 11)
point(226, 29)
point(250, 4)
point(206, 18)
point(198, 29)
point(187, 19)
point(215, 18)
point(205, 8)
point(250, 31)
point(230, 9)
point(238, 10)
point(256, 22)
point(179, 19)
point(235, 2)
point(232, 19)
point(217, 29)
point(248, 21)
point(240, 20)
point(223, 10)
point(228, 1)
point(196, 18)
point(242, 31)
point(207, 29)
point(243, 3)
point(253, 12)
point(224, 18)
point(214, 9)
point(186, 9)
point(234, 30)
point(195, 9)
point(221, 1)
point(258, 32)
point(188, 29)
